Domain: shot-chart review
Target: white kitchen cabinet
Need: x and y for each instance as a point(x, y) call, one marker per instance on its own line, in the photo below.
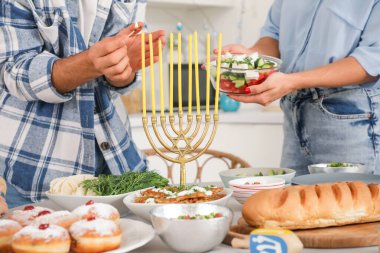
point(256, 139)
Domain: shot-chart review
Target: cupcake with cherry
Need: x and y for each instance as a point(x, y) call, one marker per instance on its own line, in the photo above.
point(95, 235)
point(60, 218)
point(43, 238)
point(7, 230)
point(26, 215)
point(97, 210)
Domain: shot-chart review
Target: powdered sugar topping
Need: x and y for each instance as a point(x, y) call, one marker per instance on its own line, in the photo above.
point(99, 210)
point(5, 225)
point(54, 218)
point(100, 227)
point(25, 217)
point(48, 234)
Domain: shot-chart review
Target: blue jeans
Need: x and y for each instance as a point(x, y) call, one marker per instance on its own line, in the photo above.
point(14, 198)
point(331, 125)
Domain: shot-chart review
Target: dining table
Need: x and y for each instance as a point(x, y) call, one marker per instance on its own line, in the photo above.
point(158, 246)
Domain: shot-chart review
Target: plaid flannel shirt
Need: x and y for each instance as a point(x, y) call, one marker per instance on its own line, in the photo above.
point(44, 134)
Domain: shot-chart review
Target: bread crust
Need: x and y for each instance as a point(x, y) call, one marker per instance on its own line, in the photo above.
point(314, 206)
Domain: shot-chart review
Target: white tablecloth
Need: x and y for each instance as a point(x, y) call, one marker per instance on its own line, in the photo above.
point(157, 246)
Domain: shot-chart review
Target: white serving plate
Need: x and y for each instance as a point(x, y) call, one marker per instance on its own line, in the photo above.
point(135, 234)
point(70, 202)
point(143, 209)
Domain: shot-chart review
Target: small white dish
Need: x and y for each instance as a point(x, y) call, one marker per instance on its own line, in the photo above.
point(244, 188)
point(257, 183)
point(228, 175)
point(143, 209)
point(70, 202)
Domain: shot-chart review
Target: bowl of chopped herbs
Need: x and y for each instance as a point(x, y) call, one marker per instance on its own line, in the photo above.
point(109, 189)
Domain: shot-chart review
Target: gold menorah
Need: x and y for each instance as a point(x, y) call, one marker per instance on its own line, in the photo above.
point(174, 138)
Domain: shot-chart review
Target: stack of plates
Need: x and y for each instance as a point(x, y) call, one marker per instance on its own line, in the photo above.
point(243, 188)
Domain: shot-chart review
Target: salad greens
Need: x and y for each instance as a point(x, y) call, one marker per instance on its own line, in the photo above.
point(200, 216)
point(246, 62)
point(337, 164)
point(260, 174)
point(106, 185)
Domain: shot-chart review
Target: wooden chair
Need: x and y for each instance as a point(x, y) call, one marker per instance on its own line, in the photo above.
point(230, 161)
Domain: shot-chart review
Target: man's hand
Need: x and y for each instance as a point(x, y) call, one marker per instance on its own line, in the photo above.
point(110, 58)
point(118, 58)
point(276, 86)
point(134, 49)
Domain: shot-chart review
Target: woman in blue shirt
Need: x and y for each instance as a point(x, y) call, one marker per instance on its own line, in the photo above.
point(329, 85)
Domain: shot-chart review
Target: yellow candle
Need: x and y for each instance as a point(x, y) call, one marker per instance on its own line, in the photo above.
point(161, 78)
point(143, 76)
point(179, 73)
point(196, 63)
point(208, 74)
point(171, 75)
point(218, 73)
point(190, 74)
point(152, 75)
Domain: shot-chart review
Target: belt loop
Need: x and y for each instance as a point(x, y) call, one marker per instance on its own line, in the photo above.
point(314, 93)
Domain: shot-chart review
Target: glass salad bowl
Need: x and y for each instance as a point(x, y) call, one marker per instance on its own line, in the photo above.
point(240, 71)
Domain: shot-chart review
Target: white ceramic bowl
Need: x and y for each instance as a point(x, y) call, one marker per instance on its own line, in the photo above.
point(228, 175)
point(326, 168)
point(242, 191)
point(70, 202)
point(143, 209)
point(199, 235)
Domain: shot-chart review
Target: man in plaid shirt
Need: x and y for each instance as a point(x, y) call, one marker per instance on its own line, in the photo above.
point(61, 77)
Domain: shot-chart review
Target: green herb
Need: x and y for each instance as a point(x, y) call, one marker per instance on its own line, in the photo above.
point(336, 164)
point(106, 185)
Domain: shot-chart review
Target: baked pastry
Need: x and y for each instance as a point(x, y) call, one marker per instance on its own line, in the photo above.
point(97, 210)
point(314, 206)
point(28, 214)
point(94, 235)
point(60, 218)
point(7, 229)
point(43, 238)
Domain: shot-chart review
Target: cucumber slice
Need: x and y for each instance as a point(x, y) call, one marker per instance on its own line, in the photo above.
point(213, 72)
point(259, 62)
point(266, 66)
point(239, 83)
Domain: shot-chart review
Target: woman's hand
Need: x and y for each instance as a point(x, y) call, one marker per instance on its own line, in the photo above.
point(276, 86)
point(234, 49)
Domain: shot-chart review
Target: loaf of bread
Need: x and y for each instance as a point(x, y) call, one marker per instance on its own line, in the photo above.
point(314, 206)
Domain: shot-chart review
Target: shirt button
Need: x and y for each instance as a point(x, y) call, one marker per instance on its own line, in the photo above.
point(105, 145)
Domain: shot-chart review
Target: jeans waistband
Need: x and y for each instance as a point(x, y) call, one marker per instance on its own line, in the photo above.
point(315, 93)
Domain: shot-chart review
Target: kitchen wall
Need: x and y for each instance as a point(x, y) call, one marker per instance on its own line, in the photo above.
point(239, 23)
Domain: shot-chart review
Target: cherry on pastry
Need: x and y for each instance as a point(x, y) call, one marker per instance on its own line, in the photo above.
point(91, 218)
point(90, 202)
point(43, 226)
point(28, 208)
point(44, 212)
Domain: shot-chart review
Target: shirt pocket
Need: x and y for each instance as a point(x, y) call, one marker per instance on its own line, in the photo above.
point(50, 21)
point(129, 7)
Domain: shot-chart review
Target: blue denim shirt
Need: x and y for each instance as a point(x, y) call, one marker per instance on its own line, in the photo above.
point(44, 134)
point(313, 33)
